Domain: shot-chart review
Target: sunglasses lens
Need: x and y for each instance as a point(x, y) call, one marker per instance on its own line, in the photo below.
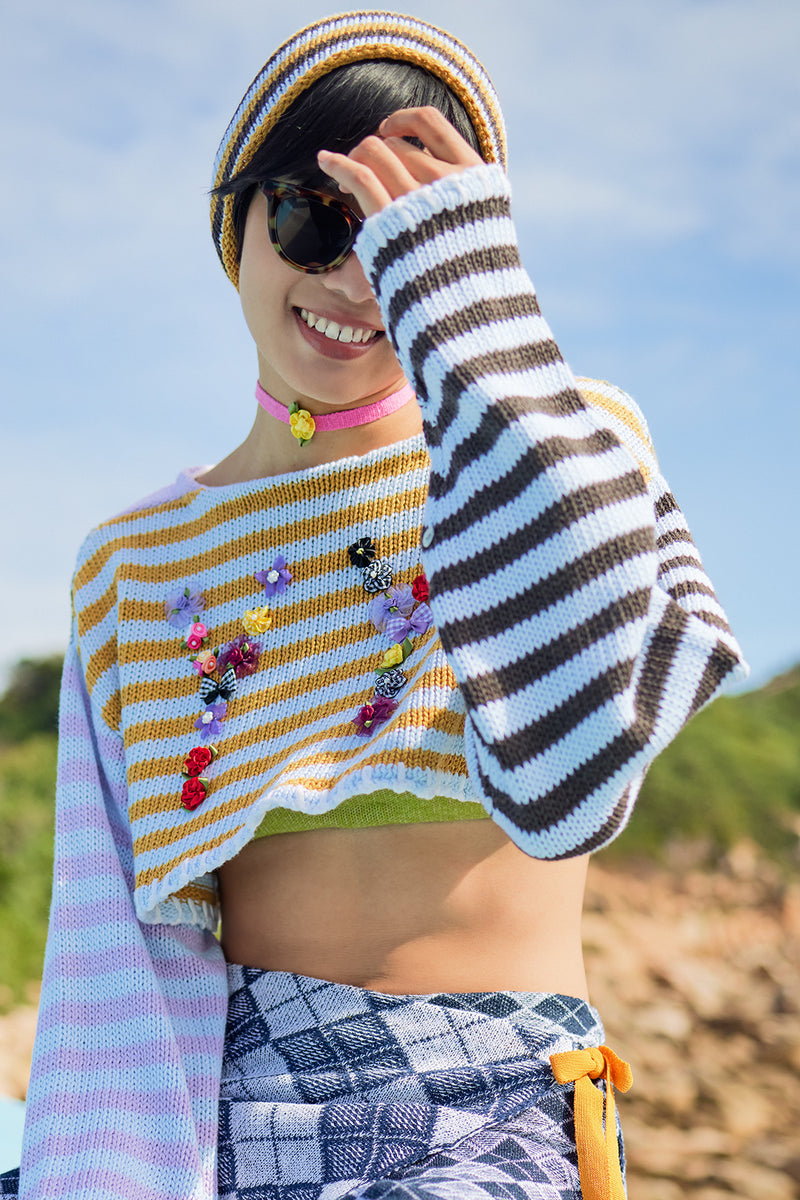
point(310, 234)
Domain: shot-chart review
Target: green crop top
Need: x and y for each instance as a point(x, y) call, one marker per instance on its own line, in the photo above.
point(377, 808)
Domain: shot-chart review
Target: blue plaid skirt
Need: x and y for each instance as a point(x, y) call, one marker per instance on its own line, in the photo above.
point(331, 1091)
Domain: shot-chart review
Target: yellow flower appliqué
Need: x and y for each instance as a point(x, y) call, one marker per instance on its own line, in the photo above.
point(392, 658)
point(257, 620)
point(301, 423)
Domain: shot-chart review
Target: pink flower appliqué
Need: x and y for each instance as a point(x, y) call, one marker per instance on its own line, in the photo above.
point(371, 715)
point(196, 635)
point(205, 663)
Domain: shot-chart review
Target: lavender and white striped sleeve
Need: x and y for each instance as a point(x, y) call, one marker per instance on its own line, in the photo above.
point(566, 590)
point(125, 1077)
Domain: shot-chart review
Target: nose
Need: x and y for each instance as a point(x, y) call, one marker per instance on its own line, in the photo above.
point(349, 280)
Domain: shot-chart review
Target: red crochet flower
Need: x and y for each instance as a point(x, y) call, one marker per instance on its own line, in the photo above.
point(193, 793)
point(371, 715)
point(420, 589)
point(197, 760)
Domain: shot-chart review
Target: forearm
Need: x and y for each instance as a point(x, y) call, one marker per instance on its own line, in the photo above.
point(575, 664)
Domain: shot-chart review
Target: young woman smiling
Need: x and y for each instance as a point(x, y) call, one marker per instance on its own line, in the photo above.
point(370, 689)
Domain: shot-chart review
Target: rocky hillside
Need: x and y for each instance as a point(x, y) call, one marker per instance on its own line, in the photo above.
point(696, 974)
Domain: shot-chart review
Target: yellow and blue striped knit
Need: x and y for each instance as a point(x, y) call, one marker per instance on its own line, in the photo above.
point(287, 740)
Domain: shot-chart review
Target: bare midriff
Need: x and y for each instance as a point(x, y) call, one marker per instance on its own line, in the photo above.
point(407, 909)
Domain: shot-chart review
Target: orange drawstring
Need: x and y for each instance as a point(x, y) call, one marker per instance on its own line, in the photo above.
point(598, 1154)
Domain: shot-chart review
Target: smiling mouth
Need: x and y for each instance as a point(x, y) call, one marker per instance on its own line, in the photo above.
point(347, 334)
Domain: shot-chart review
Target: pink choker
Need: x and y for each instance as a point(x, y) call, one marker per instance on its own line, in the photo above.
point(304, 425)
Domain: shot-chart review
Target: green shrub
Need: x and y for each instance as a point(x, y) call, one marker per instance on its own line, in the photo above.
point(27, 781)
point(30, 702)
point(733, 772)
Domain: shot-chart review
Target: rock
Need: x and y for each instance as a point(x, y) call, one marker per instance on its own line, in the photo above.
point(751, 1180)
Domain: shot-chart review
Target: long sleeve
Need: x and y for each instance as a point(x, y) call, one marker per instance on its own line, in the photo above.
point(125, 1077)
point(569, 598)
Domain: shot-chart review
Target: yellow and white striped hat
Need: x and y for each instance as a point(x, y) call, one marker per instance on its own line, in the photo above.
point(335, 42)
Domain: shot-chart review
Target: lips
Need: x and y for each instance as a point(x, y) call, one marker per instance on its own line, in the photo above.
point(335, 340)
point(336, 332)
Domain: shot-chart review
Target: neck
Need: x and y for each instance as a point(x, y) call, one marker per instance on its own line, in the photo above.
point(270, 448)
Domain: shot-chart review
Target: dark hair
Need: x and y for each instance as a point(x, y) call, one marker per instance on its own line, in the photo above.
point(336, 113)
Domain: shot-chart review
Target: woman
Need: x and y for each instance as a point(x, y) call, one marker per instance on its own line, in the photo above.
point(441, 581)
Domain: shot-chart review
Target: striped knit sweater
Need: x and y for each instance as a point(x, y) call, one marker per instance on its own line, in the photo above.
point(574, 632)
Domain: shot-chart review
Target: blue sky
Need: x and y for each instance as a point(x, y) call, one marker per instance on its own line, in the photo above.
point(655, 167)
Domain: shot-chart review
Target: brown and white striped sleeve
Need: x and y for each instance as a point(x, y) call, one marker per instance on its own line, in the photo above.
point(566, 589)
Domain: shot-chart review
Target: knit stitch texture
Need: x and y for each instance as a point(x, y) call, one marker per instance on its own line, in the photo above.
point(322, 47)
point(580, 633)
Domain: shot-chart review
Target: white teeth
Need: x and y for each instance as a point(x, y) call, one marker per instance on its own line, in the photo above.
point(337, 333)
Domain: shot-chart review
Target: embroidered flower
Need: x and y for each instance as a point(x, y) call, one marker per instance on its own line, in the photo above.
point(276, 578)
point(390, 682)
point(393, 656)
point(388, 604)
point(242, 654)
point(369, 716)
point(377, 575)
point(362, 552)
point(182, 606)
point(210, 721)
point(205, 663)
point(196, 635)
point(194, 792)
point(198, 759)
point(257, 620)
point(419, 587)
point(399, 627)
point(301, 423)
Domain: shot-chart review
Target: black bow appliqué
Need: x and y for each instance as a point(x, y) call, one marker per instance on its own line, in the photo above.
point(210, 690)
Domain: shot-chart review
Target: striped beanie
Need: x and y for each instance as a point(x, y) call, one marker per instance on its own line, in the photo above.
point(320, 48)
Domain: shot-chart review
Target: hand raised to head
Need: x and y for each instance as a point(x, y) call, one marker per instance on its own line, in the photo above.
point(384, 166)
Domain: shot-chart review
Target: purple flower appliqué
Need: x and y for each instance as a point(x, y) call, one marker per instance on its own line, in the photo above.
point(399, 627)
point(182, 606)
point(210, 723)
point(276, 578)
point(371, 715)
point(242, 654)
point(389, 604)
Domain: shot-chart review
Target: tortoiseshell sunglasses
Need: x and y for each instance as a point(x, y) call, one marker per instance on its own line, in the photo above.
point(311, 231)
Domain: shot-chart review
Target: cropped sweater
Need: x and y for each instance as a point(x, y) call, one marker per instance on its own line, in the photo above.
point(570, 631)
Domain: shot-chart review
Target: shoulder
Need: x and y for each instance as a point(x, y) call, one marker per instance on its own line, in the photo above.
point(113, 545)
point(625, 418)
point(134, 525)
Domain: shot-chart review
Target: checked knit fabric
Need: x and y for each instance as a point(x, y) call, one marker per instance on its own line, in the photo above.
point(330, 1090)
